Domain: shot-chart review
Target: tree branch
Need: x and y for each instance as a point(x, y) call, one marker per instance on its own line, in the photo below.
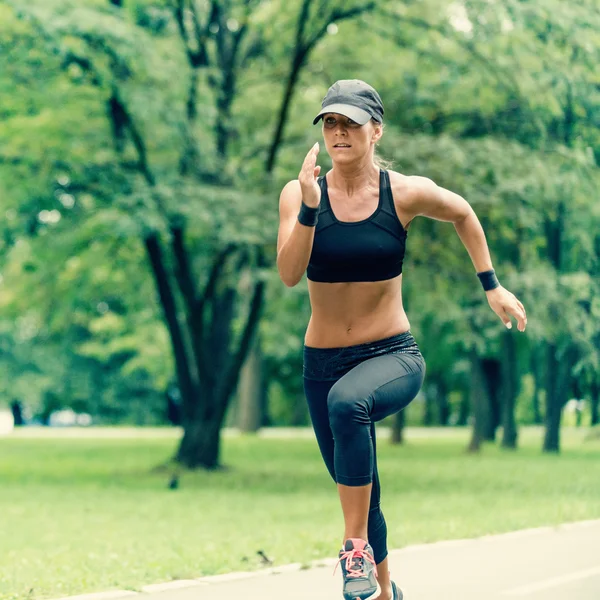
point(125, 121)
point(201, 35)
point(169, 305)
point(196, 58)
point(302, 20)
point(338, 15)
point(301, 54)
point(183, 271)
point(215, 272)
point(195, 318)
point(229, 381)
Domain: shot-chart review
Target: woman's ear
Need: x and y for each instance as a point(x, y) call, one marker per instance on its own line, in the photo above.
point(377, 132)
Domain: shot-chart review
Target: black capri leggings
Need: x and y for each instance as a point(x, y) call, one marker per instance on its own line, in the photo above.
point(348, 390)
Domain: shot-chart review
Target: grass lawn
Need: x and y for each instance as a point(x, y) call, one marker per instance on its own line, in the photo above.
point(91, 514)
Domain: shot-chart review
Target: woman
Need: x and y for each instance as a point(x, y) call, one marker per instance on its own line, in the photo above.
point(361, 363)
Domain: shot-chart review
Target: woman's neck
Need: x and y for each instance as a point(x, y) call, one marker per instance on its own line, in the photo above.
point(351, 179)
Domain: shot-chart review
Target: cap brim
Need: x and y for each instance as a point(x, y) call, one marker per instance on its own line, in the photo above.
point(358, 115)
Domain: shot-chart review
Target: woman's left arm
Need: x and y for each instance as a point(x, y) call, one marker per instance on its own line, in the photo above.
point(430, 200)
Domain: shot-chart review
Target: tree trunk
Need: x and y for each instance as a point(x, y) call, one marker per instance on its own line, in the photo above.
point(578, 394)
point(480, 403)
point(185, 380)
point(491, 369)
point(429, 404)
point(223, 353)
point(16, 408)
point(398, 428)
point(296, 67)
point(251, 390)
point(443, 403)
point(464, 409)
point(436, 408)
point(190, 159)
point(595, 401)
point(510, 390)
point(200, 445)
point(202, 413)
point(556, 396)
point(537, 368)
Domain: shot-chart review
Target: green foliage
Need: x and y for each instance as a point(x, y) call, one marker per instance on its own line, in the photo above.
point(496, 101)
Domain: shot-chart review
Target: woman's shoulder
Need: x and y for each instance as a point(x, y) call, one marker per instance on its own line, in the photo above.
point(291, 186)
point(400, 179)
point(408, 185)
point(291, 196)
point(291, 189)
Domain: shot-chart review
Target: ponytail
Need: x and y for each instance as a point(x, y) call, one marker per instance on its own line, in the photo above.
point(381, 163)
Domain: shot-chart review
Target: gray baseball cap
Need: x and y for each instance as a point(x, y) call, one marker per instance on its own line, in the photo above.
point(354, 99)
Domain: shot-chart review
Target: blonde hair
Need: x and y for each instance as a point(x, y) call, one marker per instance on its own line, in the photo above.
point(381, 163)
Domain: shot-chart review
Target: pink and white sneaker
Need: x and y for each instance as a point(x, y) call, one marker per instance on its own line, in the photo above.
point(358, 569)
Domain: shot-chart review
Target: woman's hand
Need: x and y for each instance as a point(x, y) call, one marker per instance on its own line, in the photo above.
point(506, 304)
point(311, 192)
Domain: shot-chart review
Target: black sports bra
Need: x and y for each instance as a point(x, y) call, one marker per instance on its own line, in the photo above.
point(367, 250)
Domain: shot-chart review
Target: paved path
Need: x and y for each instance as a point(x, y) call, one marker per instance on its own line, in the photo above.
point(561, 563)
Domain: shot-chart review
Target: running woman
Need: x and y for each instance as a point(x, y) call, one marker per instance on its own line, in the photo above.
point(347, 230)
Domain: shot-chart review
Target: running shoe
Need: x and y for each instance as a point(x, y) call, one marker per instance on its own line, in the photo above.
point(358, 569)
point(397, 592)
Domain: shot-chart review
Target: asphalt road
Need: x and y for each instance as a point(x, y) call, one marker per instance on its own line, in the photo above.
point(559, 563)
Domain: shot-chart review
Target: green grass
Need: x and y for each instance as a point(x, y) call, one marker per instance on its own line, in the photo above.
point(85, 515)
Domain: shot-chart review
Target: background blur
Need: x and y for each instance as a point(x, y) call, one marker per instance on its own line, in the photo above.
point(144, 331)
point(143, 146)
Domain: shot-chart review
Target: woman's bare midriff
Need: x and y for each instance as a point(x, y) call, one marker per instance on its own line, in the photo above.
point(345, 314)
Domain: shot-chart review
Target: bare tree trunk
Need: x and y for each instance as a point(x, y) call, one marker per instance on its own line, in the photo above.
point(578, 394)
point(559, 370)
point(251, 397)
point(443, 403)
point(510, 390)
point(297, 63)
point(187, 385)
point(189, 161)
point(398, 428)
point(595, 401)
point(464, 408)
point(537, 368)
point(491, 369)
point(227, 357)
point(200, 445)
point(480, 403)
point(428, 405)
point(436, 407)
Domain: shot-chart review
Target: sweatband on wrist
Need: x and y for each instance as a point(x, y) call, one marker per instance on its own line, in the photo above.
point(308, 216)
point(488, 279)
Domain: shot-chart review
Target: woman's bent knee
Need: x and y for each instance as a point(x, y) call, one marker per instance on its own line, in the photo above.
point(346, 409)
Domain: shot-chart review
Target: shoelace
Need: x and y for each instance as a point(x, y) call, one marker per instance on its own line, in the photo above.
point(354, 566)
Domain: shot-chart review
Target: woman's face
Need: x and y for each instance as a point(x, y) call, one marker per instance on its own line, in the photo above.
point(346, 140)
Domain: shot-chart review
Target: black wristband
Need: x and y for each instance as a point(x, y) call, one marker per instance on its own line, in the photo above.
point(308, 216)
point(488, 279)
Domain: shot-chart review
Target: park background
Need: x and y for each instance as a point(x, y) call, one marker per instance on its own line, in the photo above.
point(143, 146)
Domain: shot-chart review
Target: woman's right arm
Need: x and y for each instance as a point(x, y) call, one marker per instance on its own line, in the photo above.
point(294, 240)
